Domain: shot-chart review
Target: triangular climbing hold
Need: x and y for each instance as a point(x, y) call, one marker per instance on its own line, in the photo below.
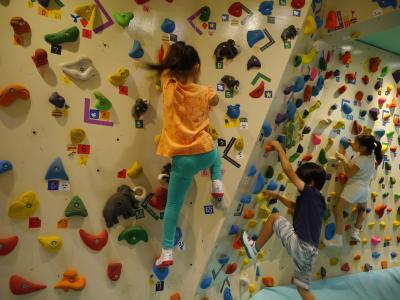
point(258, 91)
point(56, 170)
point(258, 186)
point(253, 36)
point(21, 286)
point(123, 18)
point(234, 229)
point(253, 62)
point(88, 13)
point(76, 207)
point(322, 157)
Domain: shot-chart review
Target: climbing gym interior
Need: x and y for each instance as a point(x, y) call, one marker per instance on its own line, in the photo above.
point(83, 192)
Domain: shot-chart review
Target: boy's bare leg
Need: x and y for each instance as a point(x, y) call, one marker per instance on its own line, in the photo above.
point(267, 231)
point(338, 211)
point(305, 294)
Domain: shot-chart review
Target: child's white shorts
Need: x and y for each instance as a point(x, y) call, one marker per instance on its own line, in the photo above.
point(355, 193)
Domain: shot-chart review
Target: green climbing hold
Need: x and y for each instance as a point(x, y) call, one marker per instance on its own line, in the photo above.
point(305, 113)
point(392, 181)
point(134, 234)
point(290, 132)
point(327, 214)
point(323, 64)
point(269, 173)
point(297, 61)
point(102, 103)
point(385, 195)
point(388, 166)
point(322, 157)
point(64, 36)
point(123, 18)
point(76, 207)
point(293, 157)
point(384, 71)
point(205, 13)
point(390, 134)
point(397, 196)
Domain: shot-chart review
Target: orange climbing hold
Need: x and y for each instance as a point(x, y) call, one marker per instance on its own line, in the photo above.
point(248, 214)
point(175, 296)
point(393, 148)
point(71, 280)
point(13, 92)
point(392, 104)
point(387, 238)
point(259, 91)
point(380, 209)
point(268, 281)
point(307, 157)
point(342, 178)
point(384, 264)
point(357, 257)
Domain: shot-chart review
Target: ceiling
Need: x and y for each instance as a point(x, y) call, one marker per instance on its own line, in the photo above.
point(388, 40)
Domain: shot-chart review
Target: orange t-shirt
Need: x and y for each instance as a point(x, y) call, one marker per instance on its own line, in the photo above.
point(185, 117)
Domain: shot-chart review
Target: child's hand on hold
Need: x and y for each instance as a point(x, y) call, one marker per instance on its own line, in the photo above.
point(274, 144)
point(340, 156)
point(271, 195)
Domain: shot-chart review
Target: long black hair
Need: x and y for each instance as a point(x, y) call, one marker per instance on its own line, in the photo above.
point(180, 60)
point(368, 141)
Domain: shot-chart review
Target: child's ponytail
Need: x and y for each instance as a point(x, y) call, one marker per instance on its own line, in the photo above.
point(378, 152)
point(368, 141)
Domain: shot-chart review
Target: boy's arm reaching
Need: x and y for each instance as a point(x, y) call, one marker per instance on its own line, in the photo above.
point(286, 166)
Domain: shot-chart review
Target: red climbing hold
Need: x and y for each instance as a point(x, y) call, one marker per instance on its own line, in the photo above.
point(268, 281)
point(21, 286)
point(230, 268)
point(94, 241)
point(307, 157)
point(237, 242)
point(342, 178)
point(114, 271)
point(342, 89)
point(235, 9)
point(259, 91)
point(8, 244)
point(298, 4)
point(365, 79)
point(159, 200)
point(346, 58)
point(175, 296)
point(345, 267)
point(374, 63)
point(141, 1)
point(307, 93)
point(357, 128)
point(248, 214)
point(331, 20)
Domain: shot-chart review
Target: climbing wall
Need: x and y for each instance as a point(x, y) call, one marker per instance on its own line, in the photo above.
point(70, 139)
point(310, 116)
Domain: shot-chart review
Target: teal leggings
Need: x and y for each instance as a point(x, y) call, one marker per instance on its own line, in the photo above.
point(184, 168)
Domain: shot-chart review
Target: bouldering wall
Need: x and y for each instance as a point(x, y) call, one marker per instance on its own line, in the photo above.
point(315, 107)
point(71, 140)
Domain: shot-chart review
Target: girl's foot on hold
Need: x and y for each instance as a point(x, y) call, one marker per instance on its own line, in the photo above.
point(217, 189)
point(336, 241)
point(249, 245)
point(165, 259)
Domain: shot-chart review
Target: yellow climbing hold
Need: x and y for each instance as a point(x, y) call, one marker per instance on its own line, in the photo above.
point(354, 209)
point(119, 78)
point(157, 139)
point(330, 141)
point(245, 261)
point(135, 170)
point(52, 243)
point(396, 224)
point(371, 225)
point(241, 252)
point(332, 194)
point(252, 223)
point(315, 106)
point(310, 26)
point(374, 195)
point(252, 288)
point(333, 261)
point(87, 12)
point(239, 144)
point(77, 135)
point(260, 254)
point(261, 197)
point(364, 241)
point(309, 57)
point(367, 130)
point(384, 148)
point(382, 224)
point(280, 177)
point(24, 207)
point(264, 211)
point(339, 125)
point(355, 35)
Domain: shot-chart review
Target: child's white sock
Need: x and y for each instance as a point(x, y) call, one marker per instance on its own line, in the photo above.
point(217, 189)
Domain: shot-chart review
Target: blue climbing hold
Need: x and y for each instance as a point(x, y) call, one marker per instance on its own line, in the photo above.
point(281, 139)
point(234, 229)
point(168, 26)
point(333, 107)
point(258, 186)
point(161, 273)
point(275, 210)
point(282, 188)
point(370, 98)
point(320, 82)
point(272, 185)
point(344, 141)
point(291, 110)
point(233, 111)
point(227, 294)
point(299, 102)
point(178, 235)
point(306, 77)
point(253, 36)
point(254, 237)
point(266, 7)
point(368, 210)
point(258, 271)
point(375, 255)
point(223, 259)
point(379, 132)
point(245, 199)
point(319, 21)
point(393, 255)
point(137, 50)
point(5, 166)
point(328, 176)
point(299, 84)
point(346, 108)
point(56, 170)
point(330, 230)
point(386, 3)
point(266, 128)
point(251, 171)
point(206, 282)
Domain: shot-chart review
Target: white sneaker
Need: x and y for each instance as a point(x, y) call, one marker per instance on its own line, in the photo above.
point(356, 235)
point(336, 241)
point(248, 244)
point(165, 259)
point(217, 189)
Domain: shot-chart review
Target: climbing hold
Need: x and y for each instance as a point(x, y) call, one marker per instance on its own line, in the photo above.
point(253, 62)
point(315, 106)
point(322, 157)
point(133, 234)
point(51, 243)
point(175, 296)
point(235, 9)
point(306, 157)
point(309, 57)
point(381, 101)
point(251, 171)
point(266, 8)
point(345, 267)
point(384, 71)
point(205, 13)
point(123, 18)
point(333, 261)
point(396, 76)
point(365, 79)
point(168, 26)
point(57, 100)
point(135, 170)
point(298, 4)
point(299, 84)
point(24, 207)
point(230, 268)
point(139, 108)
point(137, 50)
point(307, 93)
point(206, 282)
point(233, 111)
point(374, 113)
point(20, 26)
point(252, 288)
point(359, 96)
point(331, 20)
point(64, 36)
point(374, 63)
point(40, 57)
point(310, 26)
point(379, 132)
point(375, 255)
point(263, 211)
point(380, 209)
point(159, 199)
point(252, 223)
point(378, 85)
point(227, 294)
point(248, 213)
point(258, 186)
point(223, 258)
point(88, 13)
point(297, 61)
point(239, 144)
point(71, 280)
point(346, 58)
point(356, 128)
point(269, 172)
point(306, 130)
point(12, 92)
point(234, 229)
point(119, 77)
point(77, 135)
point(227, 50)
point(102, 103)
point(289, 33)
point(5, 166)
point(76, 207)
point(330, 231)
point(230, 82)
point(161, 273)
point(344, 142)
point(94, 241)
point(316, 139)
point(294, 157)
point(21, 286)
point(80, 68)
point(268, 281)
point(114, 271)
point(8, 244)
point(258, 91)
point(375, 240)
point(56, 170)
point(253, 36)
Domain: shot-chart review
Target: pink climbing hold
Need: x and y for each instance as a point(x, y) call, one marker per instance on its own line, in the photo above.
point(316, 139)
point(381, 101)
point(375, 240)
point(313, 73)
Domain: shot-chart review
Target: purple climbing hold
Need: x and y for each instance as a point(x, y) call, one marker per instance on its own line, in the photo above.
point(282, 188)
point(378, 85)
point(288, 90)
point(306, 130)
point(253, 62)
point(299, 149)
point(396, 76)
point(57, 100)
point(374, 113)
point(280, 118)
point(44, 3)
point(336, 73)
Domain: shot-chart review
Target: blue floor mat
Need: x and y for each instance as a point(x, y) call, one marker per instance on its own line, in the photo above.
point(374, 285)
